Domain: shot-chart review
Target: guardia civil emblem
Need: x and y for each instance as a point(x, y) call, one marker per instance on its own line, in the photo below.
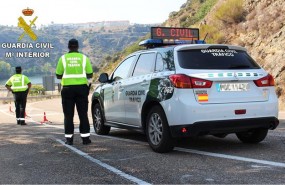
point(27, 27)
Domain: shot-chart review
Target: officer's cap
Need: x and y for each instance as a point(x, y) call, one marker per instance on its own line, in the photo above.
point(73, 43)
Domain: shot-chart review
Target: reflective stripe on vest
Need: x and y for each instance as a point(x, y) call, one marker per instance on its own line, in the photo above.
point(83, 75)
point(19, 87)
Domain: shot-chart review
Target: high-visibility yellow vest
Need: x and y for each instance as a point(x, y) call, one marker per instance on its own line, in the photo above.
point(73, 67)
point(18, 83)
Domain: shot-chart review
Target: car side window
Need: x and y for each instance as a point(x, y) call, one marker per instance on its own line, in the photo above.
point(159, 66)
point(145, 64)
point(123, 69)
point(164, 61)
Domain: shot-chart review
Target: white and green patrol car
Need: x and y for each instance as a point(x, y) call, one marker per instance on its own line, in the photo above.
point(186, 90)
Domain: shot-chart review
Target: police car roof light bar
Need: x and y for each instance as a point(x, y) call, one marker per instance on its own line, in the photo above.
point(153, 43)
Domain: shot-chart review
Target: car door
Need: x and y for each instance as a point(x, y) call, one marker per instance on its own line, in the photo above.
point(114, 92)
point(137, 86)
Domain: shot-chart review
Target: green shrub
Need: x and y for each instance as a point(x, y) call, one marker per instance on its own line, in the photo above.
point(37, 90)
point(214, 34)
point(232, 11)
point(173, 14)
point(203, 10)
point(132, 48)
point(183, 18)
point(118, 57)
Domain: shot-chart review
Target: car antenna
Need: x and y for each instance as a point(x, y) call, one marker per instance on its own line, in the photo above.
point(205, 37)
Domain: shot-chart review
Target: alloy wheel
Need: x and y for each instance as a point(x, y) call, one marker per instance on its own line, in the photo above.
point(155, 128)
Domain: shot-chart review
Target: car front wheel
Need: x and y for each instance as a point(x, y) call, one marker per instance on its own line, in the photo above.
point(157, 131)
point(98, 121)
point(253, 136)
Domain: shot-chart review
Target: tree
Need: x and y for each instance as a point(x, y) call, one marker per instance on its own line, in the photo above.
point(46, 68)
point(5, 69)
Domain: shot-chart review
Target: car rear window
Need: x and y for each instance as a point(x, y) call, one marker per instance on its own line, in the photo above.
point(215, 59)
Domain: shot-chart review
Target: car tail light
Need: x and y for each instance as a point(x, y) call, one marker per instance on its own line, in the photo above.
point(184, 130)
point(265, 81)
point(184, 81)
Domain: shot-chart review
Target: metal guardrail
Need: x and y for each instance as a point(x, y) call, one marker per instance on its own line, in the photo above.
point(6, 96)
point(30, 97)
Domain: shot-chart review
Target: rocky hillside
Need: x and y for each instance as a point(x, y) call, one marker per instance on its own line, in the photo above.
point(263, 33)
point(258, 25)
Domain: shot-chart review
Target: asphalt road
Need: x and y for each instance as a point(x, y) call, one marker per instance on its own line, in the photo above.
point(36, 154)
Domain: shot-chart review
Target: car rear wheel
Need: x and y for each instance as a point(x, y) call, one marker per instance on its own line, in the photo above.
point(157, 131)
point(98, 121)
point(253, 136)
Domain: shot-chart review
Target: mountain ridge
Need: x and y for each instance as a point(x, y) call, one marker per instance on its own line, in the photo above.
point(97, 42)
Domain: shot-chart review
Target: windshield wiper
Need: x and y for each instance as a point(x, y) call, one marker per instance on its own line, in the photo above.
point(239, 67)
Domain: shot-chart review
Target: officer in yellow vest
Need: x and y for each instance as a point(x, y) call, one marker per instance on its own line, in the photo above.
point(74, 69)
point(19, 85)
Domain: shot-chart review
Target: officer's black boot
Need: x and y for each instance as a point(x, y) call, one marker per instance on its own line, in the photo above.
point(86, 140)
point(18, 122)
point(69, 141)
point(23, 122)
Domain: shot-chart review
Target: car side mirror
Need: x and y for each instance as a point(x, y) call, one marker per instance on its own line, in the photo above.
point(103, 78)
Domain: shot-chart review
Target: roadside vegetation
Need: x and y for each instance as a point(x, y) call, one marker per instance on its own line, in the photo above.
point(225, 16)
point(231, 12)
point(111, 61)
point(37, 90)
point(192, 16)
point(5, 69)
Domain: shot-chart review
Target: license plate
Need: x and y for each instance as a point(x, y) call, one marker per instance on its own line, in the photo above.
point(232, 87)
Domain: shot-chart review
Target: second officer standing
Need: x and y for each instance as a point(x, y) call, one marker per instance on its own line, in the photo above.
point(74, 69)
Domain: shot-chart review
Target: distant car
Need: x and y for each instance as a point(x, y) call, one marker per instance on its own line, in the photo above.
point(187, 90)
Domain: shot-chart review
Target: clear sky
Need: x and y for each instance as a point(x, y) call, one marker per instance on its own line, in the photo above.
point(81, 11)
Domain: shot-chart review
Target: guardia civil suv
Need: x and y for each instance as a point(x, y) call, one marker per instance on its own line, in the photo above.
point(173, 90)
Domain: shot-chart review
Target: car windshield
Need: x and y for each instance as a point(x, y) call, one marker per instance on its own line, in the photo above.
point(216, 59)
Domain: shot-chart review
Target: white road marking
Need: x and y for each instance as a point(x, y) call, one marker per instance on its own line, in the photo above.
point(271, 163)
point(237, 158)
point(261, 167)
point(8, 114)
point(104, 165)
